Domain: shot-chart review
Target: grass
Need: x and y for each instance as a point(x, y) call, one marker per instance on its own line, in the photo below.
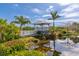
point(27, 53)
point(10, 47)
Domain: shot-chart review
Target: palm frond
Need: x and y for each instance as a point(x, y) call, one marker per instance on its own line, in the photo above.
point(21, 20)
point(15, 22)
point(54, 15)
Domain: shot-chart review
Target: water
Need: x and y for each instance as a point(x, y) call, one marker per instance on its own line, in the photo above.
point(66, 49)
point(71, 49)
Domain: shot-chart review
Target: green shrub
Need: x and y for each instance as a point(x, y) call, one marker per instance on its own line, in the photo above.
point(56, 53)
point(4, 51)
point(27, 53)
point(8, 31)
point(60, 36)
point(28, 28)
point(15, 45)
point(43, 49)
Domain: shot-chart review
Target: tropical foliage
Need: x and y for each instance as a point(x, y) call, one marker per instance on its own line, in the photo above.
point(21, 20)
point(8, 31)
point(27, 53)
point(11, 47)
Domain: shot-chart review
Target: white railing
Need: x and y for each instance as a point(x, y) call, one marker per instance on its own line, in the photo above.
point(33, 32)
point(26, 33)
point(41, 29)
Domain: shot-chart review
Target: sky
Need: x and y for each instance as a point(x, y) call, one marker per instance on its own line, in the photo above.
point(69, 12)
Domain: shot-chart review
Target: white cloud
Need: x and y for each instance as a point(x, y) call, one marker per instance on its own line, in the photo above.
point(27, 16)
point(50, 8)
point(71, 7)
point(16, 5)
point(36, 10)
point(42, 11)
point(71, 14)
point(47, 15)
point(64, 4)
point(67, 21)
point(70, 11)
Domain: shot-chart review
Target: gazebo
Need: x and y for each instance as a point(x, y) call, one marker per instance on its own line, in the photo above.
point(42, 25)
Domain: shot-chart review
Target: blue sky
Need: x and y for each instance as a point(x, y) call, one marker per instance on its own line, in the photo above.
point(36, 11)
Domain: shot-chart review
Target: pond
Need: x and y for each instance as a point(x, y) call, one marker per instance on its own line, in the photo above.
point(66, 48)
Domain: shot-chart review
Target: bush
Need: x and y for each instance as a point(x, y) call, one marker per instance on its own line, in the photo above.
point(4, 51)
point(42, 42)
point(43, 49)
point(28, 28)
point(56, 53)
point(27, 53)
point(60, 36)
point(35, 41)
point(18, 47)
point(9, 32)
point(75, 39)
point(15, 45)
point(53, 36)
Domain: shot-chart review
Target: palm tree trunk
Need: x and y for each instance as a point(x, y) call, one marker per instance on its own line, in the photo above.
point(20, 29)
point(67, 35)
point(54, 34)
point(54, 44)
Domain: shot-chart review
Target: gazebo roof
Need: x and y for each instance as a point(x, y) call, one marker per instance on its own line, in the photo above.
point(41, 22)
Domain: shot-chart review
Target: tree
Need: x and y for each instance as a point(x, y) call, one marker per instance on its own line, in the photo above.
point(12, 32)
point(21, 20)
point(54, 15)
point(3, 24)
point(8, 31)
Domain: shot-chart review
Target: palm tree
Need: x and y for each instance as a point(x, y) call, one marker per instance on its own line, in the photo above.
point(54, 17)
point(21, 20)
point(3, 24)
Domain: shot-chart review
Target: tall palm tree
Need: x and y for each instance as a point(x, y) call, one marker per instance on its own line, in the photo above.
point(54, 15)
point(21, 20)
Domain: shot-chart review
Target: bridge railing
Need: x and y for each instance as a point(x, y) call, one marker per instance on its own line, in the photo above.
point(27, 33)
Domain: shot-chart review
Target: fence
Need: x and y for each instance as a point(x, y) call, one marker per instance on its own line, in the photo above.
point(27, 33)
